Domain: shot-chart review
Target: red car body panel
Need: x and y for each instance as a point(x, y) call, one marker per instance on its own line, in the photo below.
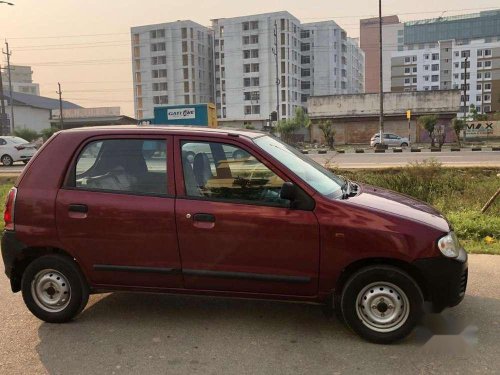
point(250, 250)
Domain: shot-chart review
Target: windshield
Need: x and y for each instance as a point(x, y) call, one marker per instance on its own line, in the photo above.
point(320, 179)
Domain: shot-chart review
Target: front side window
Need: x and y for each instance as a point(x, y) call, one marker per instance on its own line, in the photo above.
point(134, 166)
point(221, 171)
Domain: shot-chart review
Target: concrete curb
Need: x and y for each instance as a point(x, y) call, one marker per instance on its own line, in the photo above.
point(322, 151)
point(454, 149)
point(476, 149)
point(359, 151)
point(304, 151)
point(415, 150)
point(377, 151)
point(435, 150)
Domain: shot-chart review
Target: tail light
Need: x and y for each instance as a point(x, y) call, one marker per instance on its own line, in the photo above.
point(8, 215)
point(19, 148)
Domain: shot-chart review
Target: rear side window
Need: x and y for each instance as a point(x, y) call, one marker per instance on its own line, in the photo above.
point(136, 166)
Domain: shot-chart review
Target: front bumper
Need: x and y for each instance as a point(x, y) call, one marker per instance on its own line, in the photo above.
point(445, 278)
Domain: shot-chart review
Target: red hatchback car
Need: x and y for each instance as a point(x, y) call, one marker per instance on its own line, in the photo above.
point(221, 212)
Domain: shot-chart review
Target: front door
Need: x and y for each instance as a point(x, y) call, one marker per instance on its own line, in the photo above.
point(235, 233)
point(115, 213)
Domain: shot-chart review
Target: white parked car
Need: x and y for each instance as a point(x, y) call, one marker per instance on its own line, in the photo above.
point(390, 140)
point(14, 149)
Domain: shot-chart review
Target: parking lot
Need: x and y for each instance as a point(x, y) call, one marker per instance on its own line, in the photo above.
point(125, 333)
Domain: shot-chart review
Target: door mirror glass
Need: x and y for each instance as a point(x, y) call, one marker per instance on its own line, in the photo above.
point(288, 191)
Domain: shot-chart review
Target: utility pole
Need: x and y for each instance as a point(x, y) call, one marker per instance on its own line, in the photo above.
point(10, 88)
point(465, 97)
point(275, 53)
point(3, 116)
point(381, 89)
point(61, 121)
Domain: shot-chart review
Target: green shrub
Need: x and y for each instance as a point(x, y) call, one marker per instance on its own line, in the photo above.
point(28, 134)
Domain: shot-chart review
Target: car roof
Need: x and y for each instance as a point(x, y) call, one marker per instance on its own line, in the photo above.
point(166, 129)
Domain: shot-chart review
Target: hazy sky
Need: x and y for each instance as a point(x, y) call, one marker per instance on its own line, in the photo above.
point(60, 38)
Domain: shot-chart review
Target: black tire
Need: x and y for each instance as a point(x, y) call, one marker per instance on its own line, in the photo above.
point(385, 289)
point(404, 144)
point(55, 269)
point(26, 161)
point(7, 160)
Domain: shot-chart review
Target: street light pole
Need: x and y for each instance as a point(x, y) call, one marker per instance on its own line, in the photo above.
point(381, 88)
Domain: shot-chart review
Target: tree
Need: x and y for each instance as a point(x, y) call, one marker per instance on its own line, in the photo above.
point(28, 134)
point(477, 116)
point(328, 131)
point(458, 125)
point(287, 127)
point(47, 133)
point(428, 122)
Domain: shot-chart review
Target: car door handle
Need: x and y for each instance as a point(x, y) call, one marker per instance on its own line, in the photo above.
point(80, 208)
point(206, 218)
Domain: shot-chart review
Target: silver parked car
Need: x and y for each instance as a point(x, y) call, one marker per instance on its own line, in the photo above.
point(390, 140)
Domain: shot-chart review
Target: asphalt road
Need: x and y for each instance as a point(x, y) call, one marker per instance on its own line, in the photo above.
point(125, 333)
point(388, 160)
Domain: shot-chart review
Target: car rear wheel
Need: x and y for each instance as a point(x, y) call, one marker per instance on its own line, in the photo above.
point(382, 304)
point(54, 289)
point(404, 144)
point(7, 160)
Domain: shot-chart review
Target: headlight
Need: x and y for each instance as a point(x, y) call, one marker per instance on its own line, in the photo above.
point(449, 245)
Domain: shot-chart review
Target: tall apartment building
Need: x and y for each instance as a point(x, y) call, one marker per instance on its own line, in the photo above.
point(22, 80)
point(370, 41)
point(312, 59)
point(434, 58)
point(172, 63)
point(355, 67)
point(327, 53)
point(245, 67)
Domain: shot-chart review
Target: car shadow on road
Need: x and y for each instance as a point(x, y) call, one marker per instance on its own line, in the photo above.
point(129, 332)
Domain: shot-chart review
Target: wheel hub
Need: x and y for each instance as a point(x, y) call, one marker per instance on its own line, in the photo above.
point(382, 306)
point(50, 290)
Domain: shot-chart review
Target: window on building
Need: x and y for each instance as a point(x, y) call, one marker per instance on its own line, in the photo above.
point(407, 59)
point(256, 109)
point(414, 69)
point(479, 64)
point(480, 52)
point(414, 80)
point(305, 72)
point(479, 75)
point(254, 39)
point(487, 52)
point(426, 56)
point(305, 34)
point(435, 67)
point(305, 85)
point(487, 64)
point(246, 82)
point(305, 47)
point(255, 67)
point(254, 53)
point(255, 81)
point(426, 78)
point(407, 70)
point(254, 25)
point(245, 26)
point(184, 33)
point(487, 75)
point(462, 64)
point(487, 108)
point(487, 98)
point(487, 87)
point(465, 53)
point(246, 39)
point(305, 59)
point(426, 67)
point(407, 81)
point(435, 56)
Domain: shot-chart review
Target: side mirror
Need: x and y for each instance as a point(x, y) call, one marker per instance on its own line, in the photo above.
point(288, 191)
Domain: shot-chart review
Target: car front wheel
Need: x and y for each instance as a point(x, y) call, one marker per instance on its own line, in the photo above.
point(7, 160)
point(381, 303)
point(404, 144)
point(54, 288)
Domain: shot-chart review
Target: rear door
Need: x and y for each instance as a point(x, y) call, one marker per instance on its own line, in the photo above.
point(115, 212)
point(235, 233)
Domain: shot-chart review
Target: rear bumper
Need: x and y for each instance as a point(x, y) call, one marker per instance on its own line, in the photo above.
point(11, 249)
point(446, 279)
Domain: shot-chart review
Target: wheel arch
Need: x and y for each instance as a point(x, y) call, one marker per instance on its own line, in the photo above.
point(28, 255)
point(352, 268)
